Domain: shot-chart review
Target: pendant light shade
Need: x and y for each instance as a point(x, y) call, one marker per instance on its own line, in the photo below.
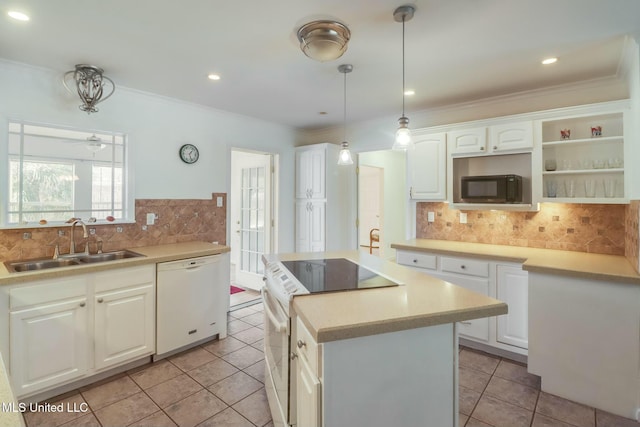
point(344, 158)
point(403, 139)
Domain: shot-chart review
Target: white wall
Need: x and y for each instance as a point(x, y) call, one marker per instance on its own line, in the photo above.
point(395, 200)
point(157, 126)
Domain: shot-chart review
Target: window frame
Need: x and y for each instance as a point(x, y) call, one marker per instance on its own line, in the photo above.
point(128, 201)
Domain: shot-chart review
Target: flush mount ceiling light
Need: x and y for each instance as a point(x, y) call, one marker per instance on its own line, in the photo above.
point(213, 76)
point(403, 134)
point(549, 61)
point(324, 40)
point(344, 158)
point(89, 83)
point(19, 16)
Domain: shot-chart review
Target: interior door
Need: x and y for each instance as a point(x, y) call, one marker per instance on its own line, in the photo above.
point(250, 216)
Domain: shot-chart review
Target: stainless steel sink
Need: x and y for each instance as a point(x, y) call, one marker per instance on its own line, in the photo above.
point(66, 260)
point(108, 256)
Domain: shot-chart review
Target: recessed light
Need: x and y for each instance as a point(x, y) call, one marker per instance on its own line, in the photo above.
point(409, 92)
point(18, 15)
point(323, 113)
point(214, 77)
point(548, 61)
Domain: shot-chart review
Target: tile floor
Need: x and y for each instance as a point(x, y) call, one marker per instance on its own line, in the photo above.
point(221, 384)
point(241, 299)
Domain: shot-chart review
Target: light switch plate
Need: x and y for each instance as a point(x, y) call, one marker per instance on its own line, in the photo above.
point(151, 218)
point(431, 216)
point(219, 201)
point(463, 218)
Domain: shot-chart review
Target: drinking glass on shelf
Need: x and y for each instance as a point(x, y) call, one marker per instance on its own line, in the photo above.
point(599, 164)
point(552, 188)
point(550, 165)
point(570, 188)
point(586, 164)
point(567, 165)
point(610, 187)
point(590, 187)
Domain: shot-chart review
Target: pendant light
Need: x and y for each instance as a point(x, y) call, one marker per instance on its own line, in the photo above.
point(344, 158)
point(403, 134)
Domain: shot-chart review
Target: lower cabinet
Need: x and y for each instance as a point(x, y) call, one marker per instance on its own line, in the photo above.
point(66, 329)
point(308, 395)
point(501, 280)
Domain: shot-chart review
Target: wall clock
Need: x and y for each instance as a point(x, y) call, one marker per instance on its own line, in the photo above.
point(189, 153)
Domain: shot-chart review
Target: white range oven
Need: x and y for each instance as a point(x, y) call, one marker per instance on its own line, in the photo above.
point(284, 280)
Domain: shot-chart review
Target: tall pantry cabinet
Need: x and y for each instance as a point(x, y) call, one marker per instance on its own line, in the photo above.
point(324, 221)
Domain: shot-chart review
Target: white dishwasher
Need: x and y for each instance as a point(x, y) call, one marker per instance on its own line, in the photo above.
point(192, 302)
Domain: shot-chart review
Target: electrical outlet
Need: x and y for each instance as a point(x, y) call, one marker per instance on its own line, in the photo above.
point(118, 229)
point(92, 231)
point(463, 218)
point(26, 236)
point(60, 233)
point(151, 218)
point(431, 216)
point(219, 201)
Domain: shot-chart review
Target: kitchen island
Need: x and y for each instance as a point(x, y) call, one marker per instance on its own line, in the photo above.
point(379, 357)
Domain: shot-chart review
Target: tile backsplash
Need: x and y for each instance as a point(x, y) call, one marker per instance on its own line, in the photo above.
point(177, 220)
point(575, 227)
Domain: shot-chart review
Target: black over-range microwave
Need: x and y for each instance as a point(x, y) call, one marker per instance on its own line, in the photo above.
point(491, 189)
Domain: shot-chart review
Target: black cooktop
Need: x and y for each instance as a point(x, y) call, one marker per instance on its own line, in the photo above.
point(330, 275)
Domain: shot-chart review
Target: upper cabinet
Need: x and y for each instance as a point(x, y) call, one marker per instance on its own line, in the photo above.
point(583, 157)
point(427, 167)
point(310, 173)
point(468, 141)
point(502, 138)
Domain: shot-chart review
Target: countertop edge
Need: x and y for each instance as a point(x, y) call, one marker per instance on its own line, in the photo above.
point(152, 255)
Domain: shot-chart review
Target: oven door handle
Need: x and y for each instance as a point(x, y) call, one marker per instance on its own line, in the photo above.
point(280, 326)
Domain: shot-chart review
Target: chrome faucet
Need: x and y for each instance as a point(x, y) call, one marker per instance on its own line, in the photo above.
point(72, 247)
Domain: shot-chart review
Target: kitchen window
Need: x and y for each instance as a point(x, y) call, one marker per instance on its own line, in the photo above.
point(57, 173)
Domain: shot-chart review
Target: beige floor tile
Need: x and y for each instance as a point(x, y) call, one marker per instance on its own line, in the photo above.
point(479, 361)
point(235, 326)
point(472, 422)
point(250, 335)
point(269, 424)
point(127, 411)
point(227, 418)
point(501, 414)
point(605, 419)
point(243, 312)
point(224, 346)
point(87, 420)
point(256, 371)
point(473, 379)
point(235, 388)
point(512, 392)
point(43, 416)
point(540, 420)
point(158, 419)
point(110, 392)
point(259, 344)
point(168, 392)
point(467, 400)
point(212, 372)
point(193, 358)
point(565, 410)
point(518, 373)
point(155, 373)
point(195, 409)
point(462, 420)
point(255, 408)
point(255, 319)
point(244, 357)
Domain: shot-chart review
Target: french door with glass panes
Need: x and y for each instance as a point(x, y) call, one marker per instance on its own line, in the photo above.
point(252, 217)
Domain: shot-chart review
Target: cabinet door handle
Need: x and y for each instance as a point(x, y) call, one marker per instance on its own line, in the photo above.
point(415, 261)
point(463, 267)
point(481, 148)
point(466, 323)
point(293, 356)
point(301, 344)
point(82, 304)
point(100, 300)
point(495, 147)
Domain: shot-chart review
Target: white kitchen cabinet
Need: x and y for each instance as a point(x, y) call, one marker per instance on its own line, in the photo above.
point(323, 196)
point(468, 141)
point(49, 341)
point(504, 281)
point(124, 316)
point(310, 173)
point(337, 381)
point(427, 167)
point(593, 165)
point(310, 226)
point(66, 329)
point(511, 136)
point(512, 284)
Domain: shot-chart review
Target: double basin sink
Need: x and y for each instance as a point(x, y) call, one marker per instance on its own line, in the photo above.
point(67, 260)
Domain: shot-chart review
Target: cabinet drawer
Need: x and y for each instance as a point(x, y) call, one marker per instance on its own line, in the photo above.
point(47, 291)
point(477, 329)
point(125, 277)
point(465, 266)
point(416, 259)
point(306, 346)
